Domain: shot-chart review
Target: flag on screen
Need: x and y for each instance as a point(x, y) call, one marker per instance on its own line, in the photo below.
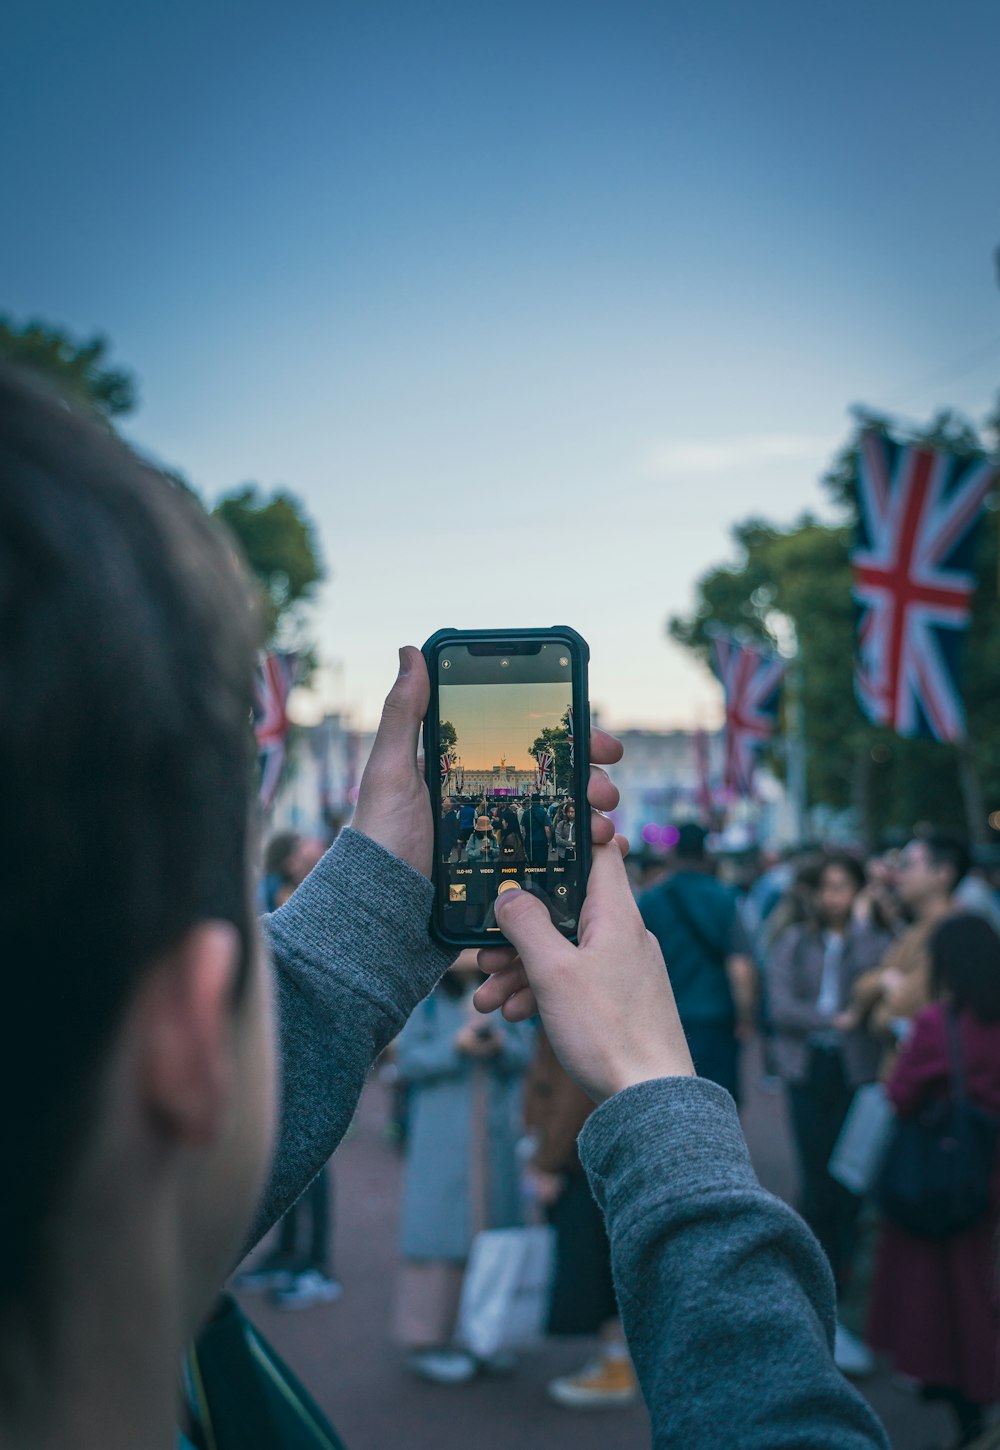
point(912, 564)
point(276, 674)
point(544, 767)
point(445, 767)
point(751, 681)
point(569, 731)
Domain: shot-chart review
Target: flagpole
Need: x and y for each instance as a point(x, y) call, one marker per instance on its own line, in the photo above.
point(972, 792)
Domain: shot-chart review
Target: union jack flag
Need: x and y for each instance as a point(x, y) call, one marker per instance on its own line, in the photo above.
point(751, 681)
point(445, 767)
point(918, 515)
point(544, 766)
point(276, 674)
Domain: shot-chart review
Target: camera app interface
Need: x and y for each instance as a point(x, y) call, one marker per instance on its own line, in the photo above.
point(507, 807)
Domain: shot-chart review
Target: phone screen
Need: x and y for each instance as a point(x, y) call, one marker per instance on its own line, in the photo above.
point(509, 784)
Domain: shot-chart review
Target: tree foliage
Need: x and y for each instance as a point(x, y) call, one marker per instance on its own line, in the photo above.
point(78, 370)
point(280, 544)
point(555, 738)
point(803, 572)
point(447, 738)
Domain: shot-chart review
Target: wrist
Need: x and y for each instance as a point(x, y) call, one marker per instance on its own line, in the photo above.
point(632, 1074)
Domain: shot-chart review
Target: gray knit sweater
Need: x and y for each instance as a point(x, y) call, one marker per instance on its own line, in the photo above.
point(725, 1295)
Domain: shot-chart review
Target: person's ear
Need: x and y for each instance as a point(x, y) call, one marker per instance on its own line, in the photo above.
point(184, 1018)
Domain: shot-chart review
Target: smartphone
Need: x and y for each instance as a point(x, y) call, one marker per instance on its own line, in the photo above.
point(507, 747)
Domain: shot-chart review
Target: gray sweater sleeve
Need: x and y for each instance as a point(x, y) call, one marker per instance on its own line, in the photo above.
point(352, 958)
point(725, 1295)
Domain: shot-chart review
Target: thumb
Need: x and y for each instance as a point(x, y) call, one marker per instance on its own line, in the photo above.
point(526, 924)
point(403, 712)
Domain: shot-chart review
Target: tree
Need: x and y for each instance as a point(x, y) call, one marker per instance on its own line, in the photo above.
point(447, 738)
point(280, 544)
point(555, 739)
point(78, 370)
point(803, 572)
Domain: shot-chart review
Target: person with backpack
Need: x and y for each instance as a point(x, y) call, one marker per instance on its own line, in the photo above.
point(712, 973)
point(934, 1306)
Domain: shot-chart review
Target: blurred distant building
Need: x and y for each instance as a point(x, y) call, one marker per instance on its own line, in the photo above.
point(501, 780)
point(320, 788)
point(661, 788)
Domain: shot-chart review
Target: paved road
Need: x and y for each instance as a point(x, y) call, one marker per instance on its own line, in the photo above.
point(342, 1352)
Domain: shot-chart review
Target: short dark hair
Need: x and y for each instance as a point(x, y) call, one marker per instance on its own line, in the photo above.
point(279, 851)
point(948, 848)
point(127, 645)
point(965, 962)
point(847, 863)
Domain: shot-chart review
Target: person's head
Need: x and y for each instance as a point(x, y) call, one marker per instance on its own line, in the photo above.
point(841, 877)
point(929, 868)
point(569, 810)
point(690, 847)
point(309, 853)
point(965, 965)
point(447, 806)
point(280, 854)
point(136, 1058)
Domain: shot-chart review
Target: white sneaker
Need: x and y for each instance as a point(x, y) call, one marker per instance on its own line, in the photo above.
point(850, 1355)
point(442, 1366)
point(307, 1289)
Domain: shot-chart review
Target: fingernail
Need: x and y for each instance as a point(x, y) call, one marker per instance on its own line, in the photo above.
point(404, 662)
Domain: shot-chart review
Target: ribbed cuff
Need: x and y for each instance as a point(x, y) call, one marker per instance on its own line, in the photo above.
point(675, 1136)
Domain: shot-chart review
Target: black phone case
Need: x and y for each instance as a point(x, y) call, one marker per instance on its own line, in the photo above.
point(581, 749)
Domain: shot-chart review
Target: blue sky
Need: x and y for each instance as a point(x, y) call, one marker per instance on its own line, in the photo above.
point(528, 302)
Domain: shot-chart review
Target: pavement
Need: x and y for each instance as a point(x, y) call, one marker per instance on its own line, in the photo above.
point(343, 1354)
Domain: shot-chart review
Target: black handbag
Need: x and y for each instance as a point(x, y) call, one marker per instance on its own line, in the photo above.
point(244, 1397)
point(937, 1175)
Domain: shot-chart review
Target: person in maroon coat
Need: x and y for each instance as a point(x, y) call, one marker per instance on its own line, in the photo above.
point(935, 1306)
